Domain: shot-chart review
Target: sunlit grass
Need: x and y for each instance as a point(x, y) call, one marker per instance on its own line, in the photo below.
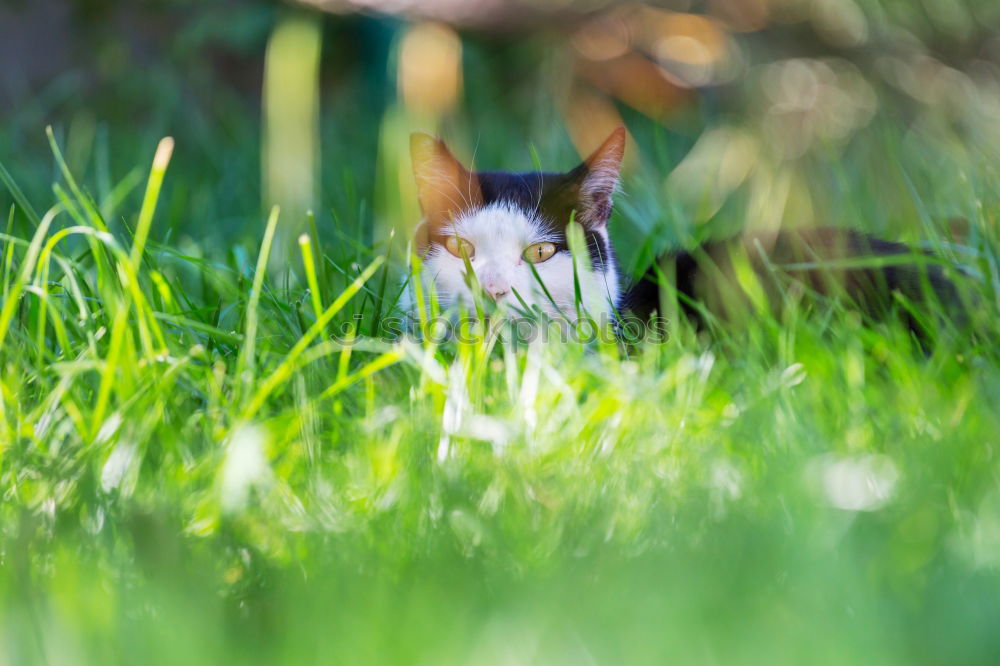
point(202, 465)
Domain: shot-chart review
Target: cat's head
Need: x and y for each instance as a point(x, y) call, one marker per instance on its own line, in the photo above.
point(511, 228)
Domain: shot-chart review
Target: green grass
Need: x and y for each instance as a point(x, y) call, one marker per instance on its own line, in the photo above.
point(196, 470)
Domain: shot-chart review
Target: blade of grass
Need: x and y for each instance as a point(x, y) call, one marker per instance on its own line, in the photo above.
point(153, 186)
point(380, 294)
point(19, 197)
point(109, 370)
point(246, 360)
point(378, 363)
point(10, 304)
point(284, 370)
point(85, 201)
point(309, 265)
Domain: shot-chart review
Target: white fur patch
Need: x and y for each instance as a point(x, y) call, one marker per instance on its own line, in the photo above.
point(500, 233)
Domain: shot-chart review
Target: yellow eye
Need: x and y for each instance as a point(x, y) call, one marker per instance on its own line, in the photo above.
point(539, 252)
point(459, 247)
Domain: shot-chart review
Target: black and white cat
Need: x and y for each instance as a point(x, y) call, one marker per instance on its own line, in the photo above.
point(511, 229)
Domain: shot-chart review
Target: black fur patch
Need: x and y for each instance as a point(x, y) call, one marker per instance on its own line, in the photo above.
point(551, 198)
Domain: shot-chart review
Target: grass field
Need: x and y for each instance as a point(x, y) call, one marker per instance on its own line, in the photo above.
point(195, 469)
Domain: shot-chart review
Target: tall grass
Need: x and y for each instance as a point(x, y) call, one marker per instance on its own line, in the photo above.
point(199, 464)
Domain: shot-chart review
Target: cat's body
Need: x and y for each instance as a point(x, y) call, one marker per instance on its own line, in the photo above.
point(511, 230)
point(823, 260)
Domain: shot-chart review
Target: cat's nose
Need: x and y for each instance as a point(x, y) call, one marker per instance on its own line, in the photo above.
point(495, 290)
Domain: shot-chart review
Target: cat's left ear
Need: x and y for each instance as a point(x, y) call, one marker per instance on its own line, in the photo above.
point(598, 178)
point(445, 187)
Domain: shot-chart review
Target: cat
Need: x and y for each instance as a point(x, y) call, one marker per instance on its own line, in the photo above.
point(511, 230)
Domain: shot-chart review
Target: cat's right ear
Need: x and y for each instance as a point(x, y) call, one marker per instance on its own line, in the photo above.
point(445, 187)
point(600, 180)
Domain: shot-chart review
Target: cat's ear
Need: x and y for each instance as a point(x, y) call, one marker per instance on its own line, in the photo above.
point(445, 187)
point(598, 180)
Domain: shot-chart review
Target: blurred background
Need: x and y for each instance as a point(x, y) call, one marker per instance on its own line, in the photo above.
point(740, 112)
